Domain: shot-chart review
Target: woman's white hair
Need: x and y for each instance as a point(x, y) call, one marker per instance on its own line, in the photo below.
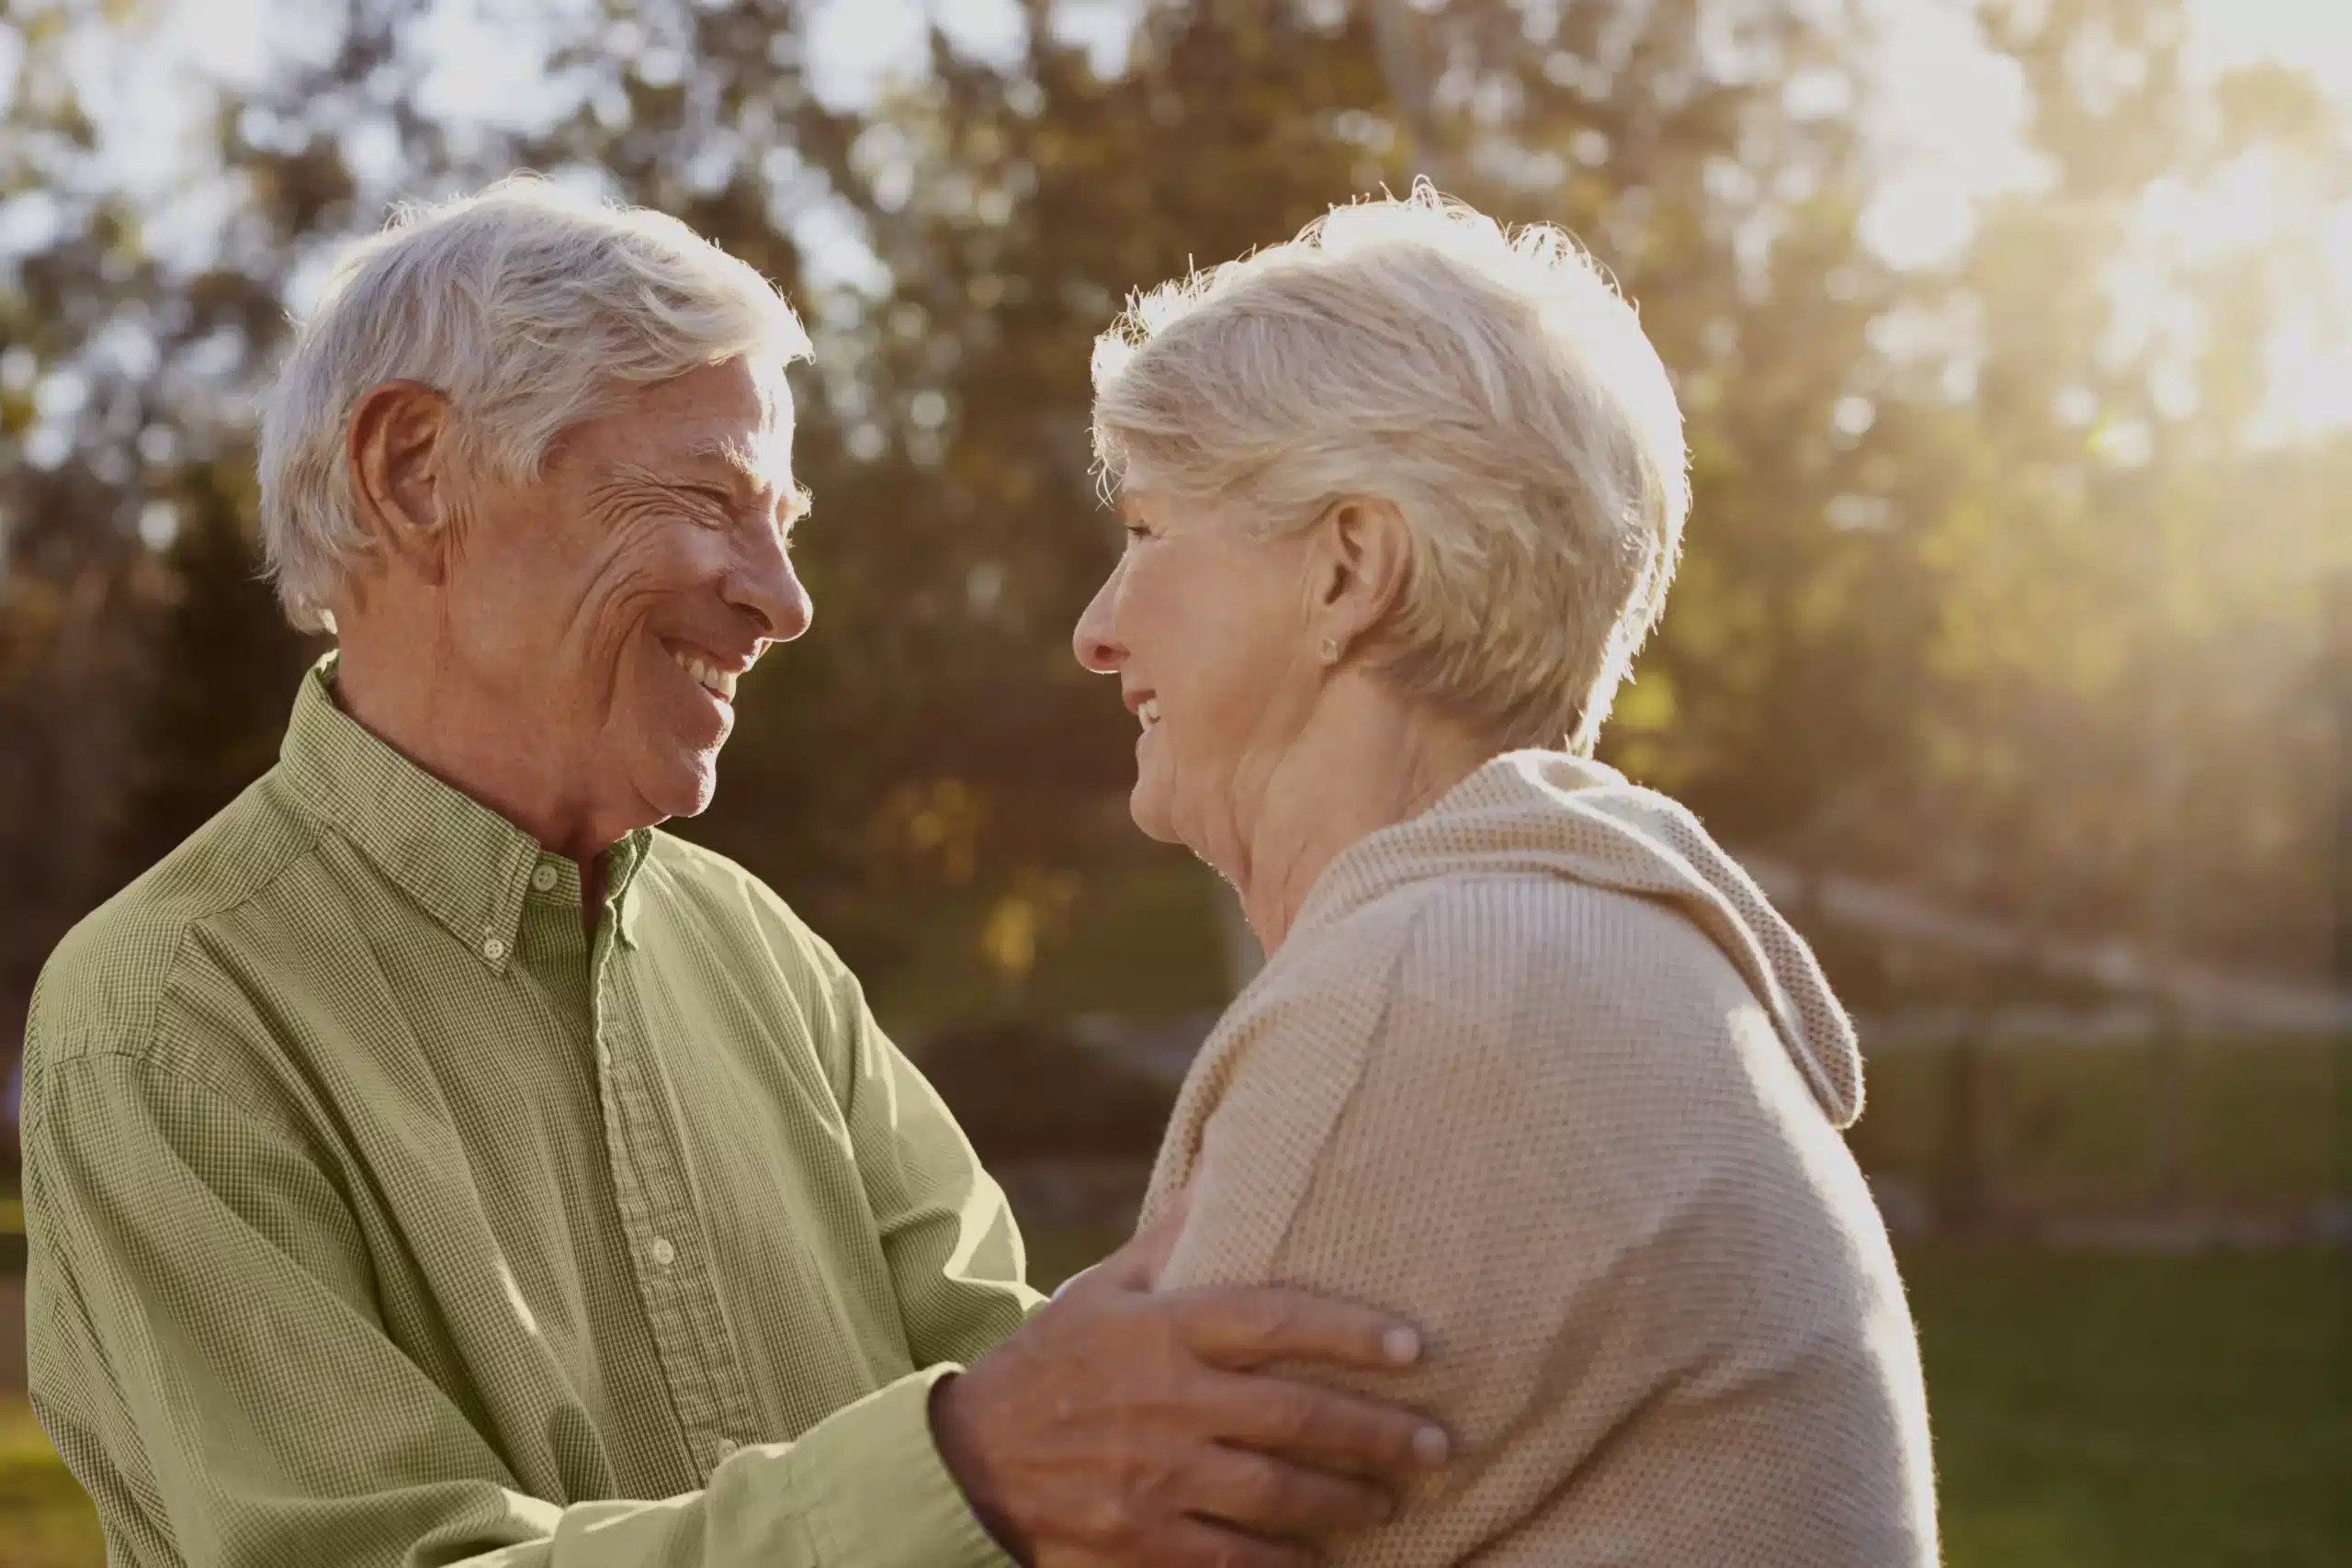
point(529, 307)
point(1491, 384)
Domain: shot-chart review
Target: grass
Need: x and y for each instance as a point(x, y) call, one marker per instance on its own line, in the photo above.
point(2091, 1411)
point(2094, 1411)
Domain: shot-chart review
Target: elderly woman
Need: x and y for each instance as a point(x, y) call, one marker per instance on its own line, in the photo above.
point(1530, 1062)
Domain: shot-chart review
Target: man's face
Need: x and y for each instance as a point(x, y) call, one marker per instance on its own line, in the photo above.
point(611, 604)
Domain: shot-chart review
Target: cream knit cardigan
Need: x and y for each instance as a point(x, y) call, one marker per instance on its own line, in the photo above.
point(1543, 1071)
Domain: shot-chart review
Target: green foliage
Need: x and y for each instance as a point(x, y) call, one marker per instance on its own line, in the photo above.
point(217, 691)
point(1140, 940)
point(2128, 642)
point(1975, 594)
point(1020, 1090)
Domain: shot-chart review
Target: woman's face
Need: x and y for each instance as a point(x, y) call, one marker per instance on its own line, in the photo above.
point(1205, 625)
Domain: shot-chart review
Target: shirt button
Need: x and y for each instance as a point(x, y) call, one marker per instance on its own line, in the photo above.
point(493, 949)
point(663, 1253)
point(725, 1448)
point(543, 879)
point(603, 1056)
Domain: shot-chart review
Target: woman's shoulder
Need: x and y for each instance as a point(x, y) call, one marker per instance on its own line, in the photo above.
point(1468, 969)
point(1460, 982)
point(1485, 937)
point(1568, 999)
point(1327, 985)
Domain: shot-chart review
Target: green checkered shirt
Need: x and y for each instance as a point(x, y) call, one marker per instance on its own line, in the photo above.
point(380, 1215)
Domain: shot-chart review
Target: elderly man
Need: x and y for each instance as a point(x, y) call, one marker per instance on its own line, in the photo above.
point(429, 1162)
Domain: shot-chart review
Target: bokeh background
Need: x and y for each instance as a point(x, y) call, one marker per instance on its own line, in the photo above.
point(2013, 649)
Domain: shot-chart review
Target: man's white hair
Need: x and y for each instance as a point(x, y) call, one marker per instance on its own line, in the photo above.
point(529, 307)
point(1491, 384)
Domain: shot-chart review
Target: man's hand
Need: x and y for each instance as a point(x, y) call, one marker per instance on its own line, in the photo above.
point(1123, 1425)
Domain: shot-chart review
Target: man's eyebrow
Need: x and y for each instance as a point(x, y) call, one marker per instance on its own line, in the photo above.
point(797, 502)
point(732, 451)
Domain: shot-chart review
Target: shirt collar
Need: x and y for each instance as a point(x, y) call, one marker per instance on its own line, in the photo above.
point(466, 867)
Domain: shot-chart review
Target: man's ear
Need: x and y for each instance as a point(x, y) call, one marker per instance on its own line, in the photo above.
point(398, 451)
point(1364, 561)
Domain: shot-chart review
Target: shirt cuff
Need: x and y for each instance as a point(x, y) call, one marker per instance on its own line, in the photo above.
point(872, 1490)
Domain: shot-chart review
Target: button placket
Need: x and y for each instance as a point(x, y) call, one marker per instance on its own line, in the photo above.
point(696, 1354)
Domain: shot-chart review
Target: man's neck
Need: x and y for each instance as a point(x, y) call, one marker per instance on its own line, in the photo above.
point(1365, 761)
point(410, 695)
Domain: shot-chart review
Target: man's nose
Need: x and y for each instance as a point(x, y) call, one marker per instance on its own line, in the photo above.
point(763, 585)
point(1096, 649)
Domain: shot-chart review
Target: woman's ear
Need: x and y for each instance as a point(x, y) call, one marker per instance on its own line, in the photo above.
point(398, 451)
point(1367, 562)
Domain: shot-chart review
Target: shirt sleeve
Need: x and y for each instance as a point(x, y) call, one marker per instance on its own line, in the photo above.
point(955, 1251)
point(207, 1355)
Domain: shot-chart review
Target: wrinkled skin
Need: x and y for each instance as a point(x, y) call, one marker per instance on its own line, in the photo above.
point(1279, 739)
point(1214, 622)
point(522, 639)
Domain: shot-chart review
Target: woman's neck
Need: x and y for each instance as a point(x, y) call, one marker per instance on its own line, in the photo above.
point(1365, 760)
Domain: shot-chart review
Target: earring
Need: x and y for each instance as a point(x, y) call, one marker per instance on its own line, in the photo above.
point(1331, 650)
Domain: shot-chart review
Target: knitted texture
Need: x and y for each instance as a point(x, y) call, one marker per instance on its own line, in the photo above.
point(1541, 1071)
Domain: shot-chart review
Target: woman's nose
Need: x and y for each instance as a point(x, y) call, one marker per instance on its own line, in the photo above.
point(1093, 641)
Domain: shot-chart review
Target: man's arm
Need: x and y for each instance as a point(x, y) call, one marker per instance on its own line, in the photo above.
point(1116, 1424)
point(207, 1353)
point(956, 1261)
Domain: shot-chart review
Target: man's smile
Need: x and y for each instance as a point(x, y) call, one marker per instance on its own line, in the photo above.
point(713, 673)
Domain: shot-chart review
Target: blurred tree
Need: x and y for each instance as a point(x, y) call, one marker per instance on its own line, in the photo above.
point(2007, 614)
point(2338, 677)
point(1102, 1106)
point(139, 691)
point(70, 579)
point(218, 685)
point(2118, 732)
point(1011, 206)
